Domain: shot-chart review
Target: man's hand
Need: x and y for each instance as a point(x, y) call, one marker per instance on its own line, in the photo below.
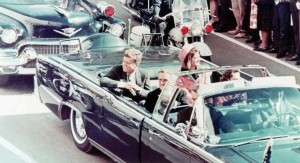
point(272, 119)
point(131, 85)
point(156, 18)
point(194, 95)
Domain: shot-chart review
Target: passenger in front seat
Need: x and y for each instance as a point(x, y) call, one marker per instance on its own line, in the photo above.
point(163, 77)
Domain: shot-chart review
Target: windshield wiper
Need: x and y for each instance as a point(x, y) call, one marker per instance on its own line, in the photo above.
point(260, 139)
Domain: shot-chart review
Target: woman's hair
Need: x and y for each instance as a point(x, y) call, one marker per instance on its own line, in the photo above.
point(134, 54)
point(228, 74)
point(190, 54)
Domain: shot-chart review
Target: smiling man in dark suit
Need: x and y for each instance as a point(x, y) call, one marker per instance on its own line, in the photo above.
point(128, 76)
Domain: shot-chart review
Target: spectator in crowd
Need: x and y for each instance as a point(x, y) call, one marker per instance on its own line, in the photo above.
point(238, 9)
point(129, 76)
point(164, 76)
point(264, 24)
point(225, 17)
point(190, 59)
point(281, 27)
point(298, 46)
point(253, 31)
point(295, 21)
point(245, 21)
point(213, 4)
point(160, 9)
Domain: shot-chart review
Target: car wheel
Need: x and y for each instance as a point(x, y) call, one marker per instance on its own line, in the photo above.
point(3, 79)
point(78, 132)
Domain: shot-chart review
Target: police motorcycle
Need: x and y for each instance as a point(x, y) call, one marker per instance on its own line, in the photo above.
point(190, 23)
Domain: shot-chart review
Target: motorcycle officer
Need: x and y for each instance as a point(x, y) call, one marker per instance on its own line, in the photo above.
point(160, 9)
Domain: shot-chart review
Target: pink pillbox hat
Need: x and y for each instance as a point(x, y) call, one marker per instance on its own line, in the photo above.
point(184, 51)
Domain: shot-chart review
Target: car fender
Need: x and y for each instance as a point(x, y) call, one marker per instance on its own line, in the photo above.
point(66, 106)
point(10, 23)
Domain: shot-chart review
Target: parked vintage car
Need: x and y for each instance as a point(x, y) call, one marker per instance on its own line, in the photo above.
point(35, 27)
point(100, 117)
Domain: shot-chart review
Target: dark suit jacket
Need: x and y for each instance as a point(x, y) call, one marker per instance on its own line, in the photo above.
point(218, 120)
point(113, 77)
point(152, 99)
point(153, 96)
point(259, 116)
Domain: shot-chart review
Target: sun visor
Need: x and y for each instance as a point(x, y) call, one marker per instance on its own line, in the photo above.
point(276, 80)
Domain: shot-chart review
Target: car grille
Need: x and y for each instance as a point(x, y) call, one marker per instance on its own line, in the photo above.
point(51, 50)
point(54, 49)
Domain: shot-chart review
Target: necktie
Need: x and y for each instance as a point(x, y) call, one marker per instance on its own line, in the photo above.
point(128, 78)
point(131, 90)
point(276, 111)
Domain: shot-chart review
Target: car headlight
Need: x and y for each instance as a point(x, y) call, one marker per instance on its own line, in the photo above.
point(116, 29)
point(30, 52)
point(9, 36)
point(196, 29)
point(27, 54)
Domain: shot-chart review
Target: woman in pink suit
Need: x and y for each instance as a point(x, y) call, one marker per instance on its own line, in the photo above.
point(190, 59)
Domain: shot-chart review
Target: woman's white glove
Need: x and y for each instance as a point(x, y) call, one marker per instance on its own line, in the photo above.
point(298, 5)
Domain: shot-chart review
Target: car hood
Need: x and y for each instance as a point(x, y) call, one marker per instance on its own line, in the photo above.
point(46, 18)
point(48, 12)
point(281, 151)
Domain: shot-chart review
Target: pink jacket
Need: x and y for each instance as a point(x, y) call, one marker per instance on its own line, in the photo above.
point(188, 84)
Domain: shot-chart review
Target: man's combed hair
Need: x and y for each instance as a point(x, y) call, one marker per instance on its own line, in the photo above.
point(164, 70)
point(134, 54)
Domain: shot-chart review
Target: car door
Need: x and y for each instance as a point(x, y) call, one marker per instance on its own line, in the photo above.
point(115, 127)
point(163, 144)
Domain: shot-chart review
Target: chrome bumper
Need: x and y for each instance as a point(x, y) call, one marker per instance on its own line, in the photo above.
point(10, 62)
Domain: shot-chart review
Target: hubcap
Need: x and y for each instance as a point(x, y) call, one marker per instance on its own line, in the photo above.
point(80, 126)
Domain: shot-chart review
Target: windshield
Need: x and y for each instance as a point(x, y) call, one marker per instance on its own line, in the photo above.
point(185, 11)
point(25, 2)
point(244, 115)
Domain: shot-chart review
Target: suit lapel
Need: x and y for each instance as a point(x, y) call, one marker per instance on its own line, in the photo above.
point(124, 76)
point(138, 77)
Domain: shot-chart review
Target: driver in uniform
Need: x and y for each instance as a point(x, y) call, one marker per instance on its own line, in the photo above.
point(278, 113)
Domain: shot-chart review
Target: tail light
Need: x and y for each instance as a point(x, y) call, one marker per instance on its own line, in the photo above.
point(184, 30)
point(109, 11)
point(208, 28)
